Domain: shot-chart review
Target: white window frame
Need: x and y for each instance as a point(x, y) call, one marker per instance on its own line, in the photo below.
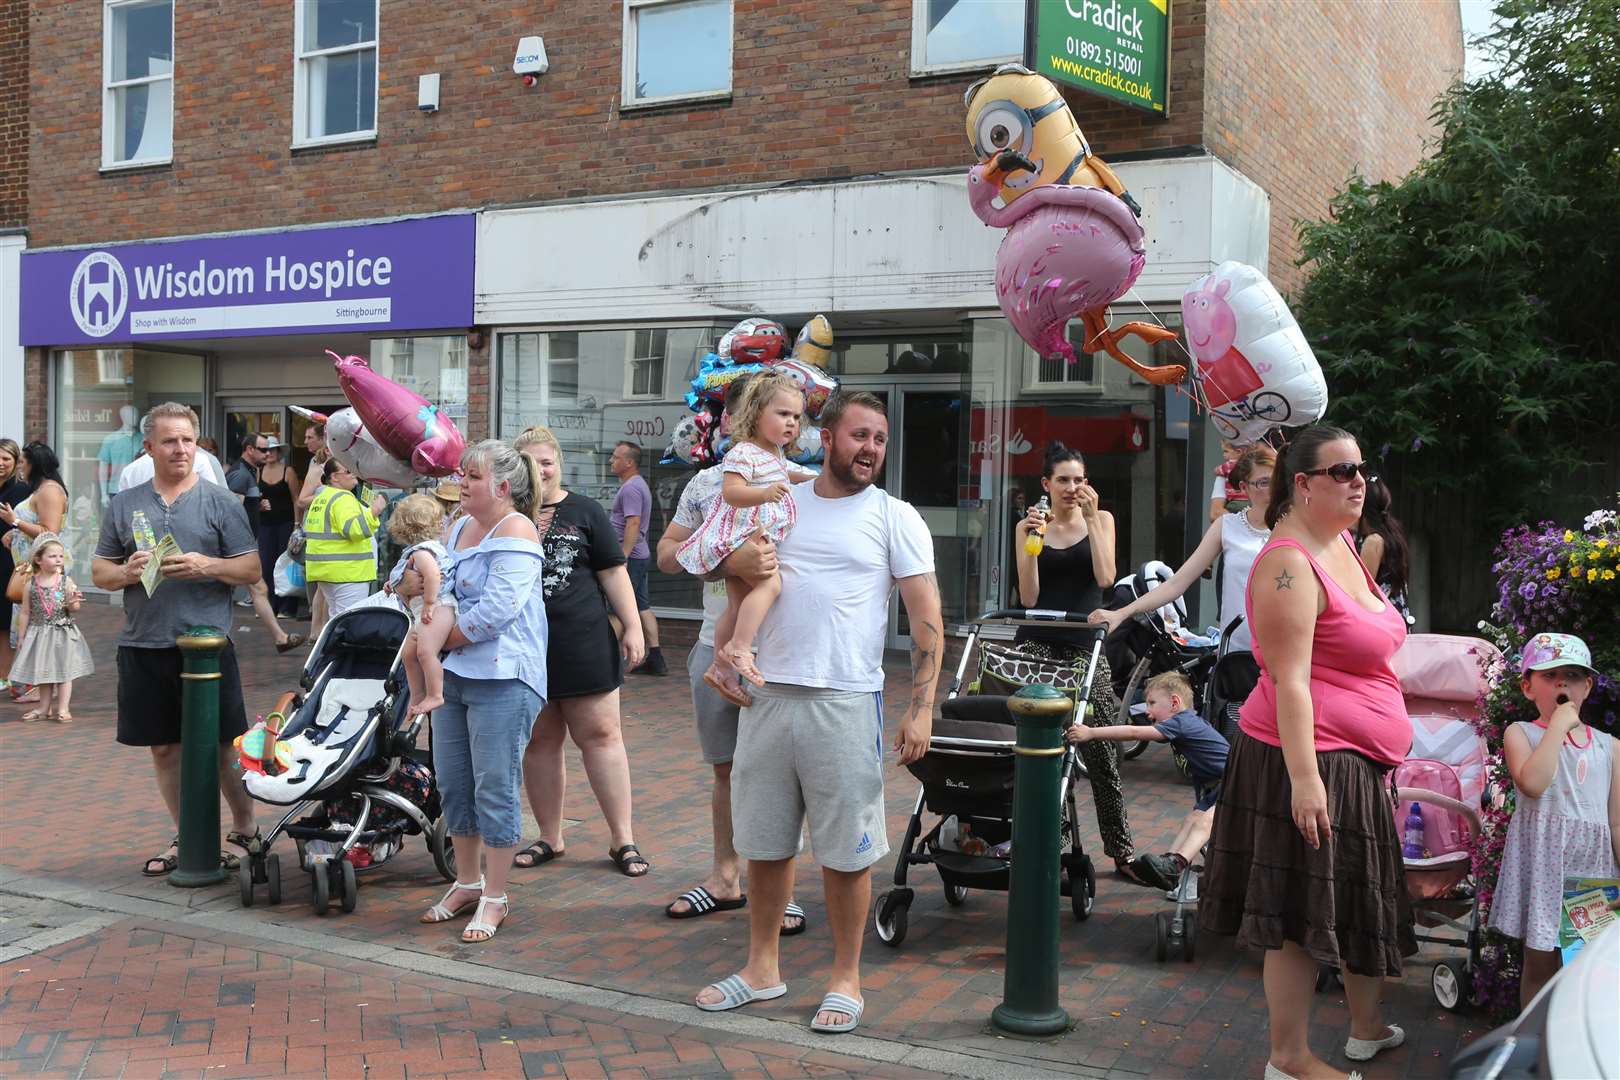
point(919, 50)
point(109, 112)
point(656, 392)
point(301, 80)
point(627, 81)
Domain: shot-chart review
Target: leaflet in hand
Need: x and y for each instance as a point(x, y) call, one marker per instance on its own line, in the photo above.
point(152, 574)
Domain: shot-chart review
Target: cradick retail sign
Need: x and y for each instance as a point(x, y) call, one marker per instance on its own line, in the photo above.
point(413, 274)
point(1118, 49)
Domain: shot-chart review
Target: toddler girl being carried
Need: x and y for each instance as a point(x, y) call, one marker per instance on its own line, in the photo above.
point(754, 498)
point(52, 652)
point(1567, 820)
point(418, 523)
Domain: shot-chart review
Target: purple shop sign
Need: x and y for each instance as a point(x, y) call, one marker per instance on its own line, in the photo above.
point(413, 274)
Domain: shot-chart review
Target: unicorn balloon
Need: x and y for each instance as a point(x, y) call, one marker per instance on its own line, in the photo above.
point(403, 422)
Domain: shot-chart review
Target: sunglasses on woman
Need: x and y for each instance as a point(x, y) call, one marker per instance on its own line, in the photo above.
point(1345, 471)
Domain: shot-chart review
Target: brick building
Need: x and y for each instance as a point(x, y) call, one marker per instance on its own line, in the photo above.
point(570, 249)
point(13, 205)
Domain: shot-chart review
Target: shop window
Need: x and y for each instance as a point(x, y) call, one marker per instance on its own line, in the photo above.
point(961, 35)
point(335, 70)
point(644, 371)
point(137, 101)
point(100, 396)
point(435, 367)
point(676, 50)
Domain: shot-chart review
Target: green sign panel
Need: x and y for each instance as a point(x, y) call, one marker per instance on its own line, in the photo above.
point(1119, 49)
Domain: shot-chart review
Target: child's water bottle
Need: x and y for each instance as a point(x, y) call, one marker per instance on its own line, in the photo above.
point(1412, 846)
point(1037, 536)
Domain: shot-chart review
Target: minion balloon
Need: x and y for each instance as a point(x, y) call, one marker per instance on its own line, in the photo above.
point(1073, 244)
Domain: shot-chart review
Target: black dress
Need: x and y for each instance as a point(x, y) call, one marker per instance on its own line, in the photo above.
point(275, 529)
point(12, 492)
point(582, 653)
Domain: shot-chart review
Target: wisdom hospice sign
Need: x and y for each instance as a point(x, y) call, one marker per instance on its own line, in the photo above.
point(411, 274)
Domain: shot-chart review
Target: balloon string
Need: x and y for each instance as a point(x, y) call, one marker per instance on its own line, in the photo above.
point(1202, 374)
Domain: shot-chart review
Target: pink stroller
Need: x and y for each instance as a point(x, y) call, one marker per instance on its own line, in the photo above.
point(1439, 793)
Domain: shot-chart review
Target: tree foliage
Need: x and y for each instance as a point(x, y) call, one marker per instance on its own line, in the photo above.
point(1468, 316)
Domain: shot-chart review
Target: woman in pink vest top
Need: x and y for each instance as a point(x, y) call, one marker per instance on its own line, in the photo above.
point(1304, 862)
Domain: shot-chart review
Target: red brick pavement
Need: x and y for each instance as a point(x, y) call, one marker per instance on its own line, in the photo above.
point(80, 808)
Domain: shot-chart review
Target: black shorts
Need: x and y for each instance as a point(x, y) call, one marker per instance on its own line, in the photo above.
point(149, 695)
point(638, 581)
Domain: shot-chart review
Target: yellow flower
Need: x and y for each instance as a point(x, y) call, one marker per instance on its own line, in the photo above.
point(1553, 574)
point(1591, 575)
point(1608, 575)
point(1601, 544)
point(1569, 537)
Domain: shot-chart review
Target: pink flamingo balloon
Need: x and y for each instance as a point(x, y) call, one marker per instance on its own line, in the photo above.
point(1069, 250)
point(403, 422)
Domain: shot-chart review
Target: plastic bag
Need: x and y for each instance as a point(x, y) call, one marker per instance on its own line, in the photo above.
point(289, 577)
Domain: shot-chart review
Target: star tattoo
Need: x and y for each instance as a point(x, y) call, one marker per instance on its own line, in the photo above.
point(1284, 580)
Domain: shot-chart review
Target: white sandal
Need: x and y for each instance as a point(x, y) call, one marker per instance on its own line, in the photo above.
point(439, 913)
point(480, 926)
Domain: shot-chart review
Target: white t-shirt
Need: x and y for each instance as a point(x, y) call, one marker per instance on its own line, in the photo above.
point(696, 500)
point(140, 470)
point(838, 566)
point(1240, 546)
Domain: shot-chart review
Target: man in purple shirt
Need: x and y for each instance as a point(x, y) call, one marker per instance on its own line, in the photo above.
point(631, 517)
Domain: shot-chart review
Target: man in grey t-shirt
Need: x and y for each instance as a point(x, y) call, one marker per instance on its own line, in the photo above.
point(218, 552)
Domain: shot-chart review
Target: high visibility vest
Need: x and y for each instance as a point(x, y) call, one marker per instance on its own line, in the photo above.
point(338, 532)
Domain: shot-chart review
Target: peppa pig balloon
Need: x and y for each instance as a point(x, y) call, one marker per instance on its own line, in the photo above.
point(1251, 363)
point(357, 450)
point(404, 423)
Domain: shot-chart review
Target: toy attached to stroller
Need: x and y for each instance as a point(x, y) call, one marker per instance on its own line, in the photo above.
point(347, 764)
point(967, 781)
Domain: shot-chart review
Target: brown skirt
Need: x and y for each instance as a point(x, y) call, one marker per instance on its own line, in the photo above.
point(1345, 902)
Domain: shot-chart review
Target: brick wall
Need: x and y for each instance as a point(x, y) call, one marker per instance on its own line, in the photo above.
point(1300, 94)
point(13, 113)
point(819, 91)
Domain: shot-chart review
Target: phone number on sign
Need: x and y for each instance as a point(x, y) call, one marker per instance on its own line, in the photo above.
point(1124, 63)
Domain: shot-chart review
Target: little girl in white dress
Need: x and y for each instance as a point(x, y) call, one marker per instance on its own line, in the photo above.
point(417, 522)
point(754, 498)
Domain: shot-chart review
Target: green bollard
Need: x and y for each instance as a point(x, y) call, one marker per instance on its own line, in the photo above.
point(1029, 1004)
point(199, 759)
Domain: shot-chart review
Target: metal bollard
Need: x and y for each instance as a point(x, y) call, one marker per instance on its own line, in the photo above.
point(1029, 1004)
point(200, 647)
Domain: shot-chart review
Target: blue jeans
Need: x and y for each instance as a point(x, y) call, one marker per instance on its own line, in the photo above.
point(479, 735)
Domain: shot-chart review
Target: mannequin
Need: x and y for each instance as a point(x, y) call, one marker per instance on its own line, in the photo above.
point(118, 449)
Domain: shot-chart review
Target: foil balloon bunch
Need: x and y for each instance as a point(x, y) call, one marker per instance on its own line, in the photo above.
point(389, 435)
point(755, 345)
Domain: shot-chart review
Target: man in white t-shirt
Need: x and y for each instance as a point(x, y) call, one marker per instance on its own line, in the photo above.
point(810, 747)
point(716, 717)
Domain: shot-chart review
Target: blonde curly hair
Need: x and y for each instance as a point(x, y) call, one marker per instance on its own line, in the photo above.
point(761, 389)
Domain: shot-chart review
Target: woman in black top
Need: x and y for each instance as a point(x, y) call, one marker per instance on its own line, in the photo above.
point(584, 574)
point(1075, 565)
point(277, 482)
point(13, 490)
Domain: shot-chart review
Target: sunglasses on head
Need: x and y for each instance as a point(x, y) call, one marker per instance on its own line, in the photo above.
point(1345, 471)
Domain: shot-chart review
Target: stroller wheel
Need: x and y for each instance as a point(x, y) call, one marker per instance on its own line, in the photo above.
point(1161, 937)
point(444, 852)
point(955, 895)
point(1132, 749)
point(244, 881)
point(272, 877)
point(1083, 892)
point(351, 887)
point(890, 920)
point(320, 888)
point(1451, 984)
point(1189, 936)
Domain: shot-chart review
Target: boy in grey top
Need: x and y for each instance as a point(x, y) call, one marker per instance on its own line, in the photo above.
point(218, 552)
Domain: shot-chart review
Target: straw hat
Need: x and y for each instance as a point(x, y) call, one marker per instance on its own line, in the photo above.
point(448, 490)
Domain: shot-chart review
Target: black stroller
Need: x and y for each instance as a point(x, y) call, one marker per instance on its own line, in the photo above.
point(357, 785)
point(967, 781)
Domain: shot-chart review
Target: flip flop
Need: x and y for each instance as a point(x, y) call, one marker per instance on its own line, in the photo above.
point(738, 993)
point(701, 901)
point(839, 1003)
point(539, 851)
point(794, 911)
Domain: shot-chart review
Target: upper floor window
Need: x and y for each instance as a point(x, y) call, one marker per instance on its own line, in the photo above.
point(137, 71)
point(335, 76)
point(961, 35)
point(676, 50)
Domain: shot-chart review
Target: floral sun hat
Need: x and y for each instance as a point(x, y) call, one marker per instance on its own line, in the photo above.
point(1553, 651)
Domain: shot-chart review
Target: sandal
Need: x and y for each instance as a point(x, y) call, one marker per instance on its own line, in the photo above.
point(840, 1005)
point(737, 993)
point(34, 714)
point(731, 690)
point(165, 862)
point(539, 854)
point(794, 911)
point(700, 901)
point(1124, 869)
point(63, 717)
point(250, 844)
point(292, 642)
point(626, 857)
point(481, 926)
point(439, 913)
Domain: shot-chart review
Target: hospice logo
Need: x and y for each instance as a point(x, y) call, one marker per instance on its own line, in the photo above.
point(99, 294)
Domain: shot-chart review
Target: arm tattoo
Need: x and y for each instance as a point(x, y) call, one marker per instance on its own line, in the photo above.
point(926, 640)
point(1284, 580)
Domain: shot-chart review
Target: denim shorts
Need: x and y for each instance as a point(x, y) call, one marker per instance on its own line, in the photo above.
point(638, 581)
point(479, 735)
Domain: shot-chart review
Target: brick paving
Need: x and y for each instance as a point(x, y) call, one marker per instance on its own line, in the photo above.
point(78, 808)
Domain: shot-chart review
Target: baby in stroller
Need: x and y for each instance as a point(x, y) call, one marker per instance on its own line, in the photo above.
point(1169, 707)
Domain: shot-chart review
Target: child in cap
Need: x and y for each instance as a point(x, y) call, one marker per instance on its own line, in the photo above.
point(1567, 815)
point(1169, 706)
